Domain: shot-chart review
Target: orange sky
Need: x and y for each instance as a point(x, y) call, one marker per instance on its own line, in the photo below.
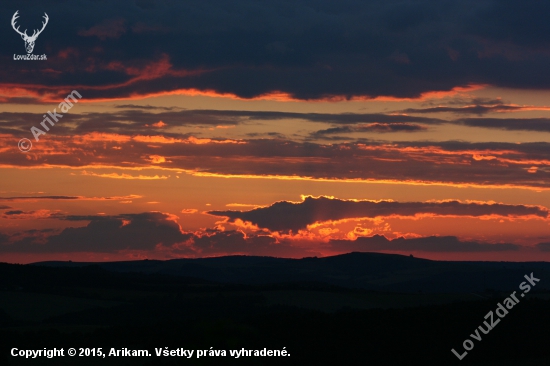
point(185, 169)
point(296, 130)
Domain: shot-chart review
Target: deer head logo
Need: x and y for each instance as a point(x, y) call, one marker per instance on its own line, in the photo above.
point(29, 41)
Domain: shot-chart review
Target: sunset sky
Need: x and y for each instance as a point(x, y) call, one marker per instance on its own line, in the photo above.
point(281, 128)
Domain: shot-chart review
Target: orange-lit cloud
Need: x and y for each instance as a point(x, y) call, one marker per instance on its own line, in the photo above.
point(287, 216)
point(446, 163)
point(123, 176)
point(70, 198)
point(29, 215)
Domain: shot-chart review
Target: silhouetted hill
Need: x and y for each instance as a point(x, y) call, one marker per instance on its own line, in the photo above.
point(357, 308)
point(371, 271)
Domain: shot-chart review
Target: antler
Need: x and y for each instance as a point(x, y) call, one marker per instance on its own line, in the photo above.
point(13, 19)
point(35, 34)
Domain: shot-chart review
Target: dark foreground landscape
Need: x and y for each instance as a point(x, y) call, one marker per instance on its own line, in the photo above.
point(358, 308)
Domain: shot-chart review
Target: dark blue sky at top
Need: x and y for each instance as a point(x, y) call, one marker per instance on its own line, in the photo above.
point(309, 49)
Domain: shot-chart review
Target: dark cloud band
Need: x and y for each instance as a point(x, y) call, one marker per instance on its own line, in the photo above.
point(307, 49)
point(290, 216)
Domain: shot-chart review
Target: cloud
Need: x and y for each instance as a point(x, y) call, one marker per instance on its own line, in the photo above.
point(107, 234)
point(427, 244)
point(140, 120)
point(514, 124)
point(111, 28)
point(82, 198)
point(457, 163)
point(155, 233)
point(372, 127)
point(494, 107)
point(14, 212)
point(123, 176)
point(21, 198)
point(234, 242)
point(543, 247)
point(34, 214)
point(315, 50)
point(145, 107)
point(291, 216)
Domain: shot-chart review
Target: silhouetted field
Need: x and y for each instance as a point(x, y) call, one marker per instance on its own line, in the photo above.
point(392, 312)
